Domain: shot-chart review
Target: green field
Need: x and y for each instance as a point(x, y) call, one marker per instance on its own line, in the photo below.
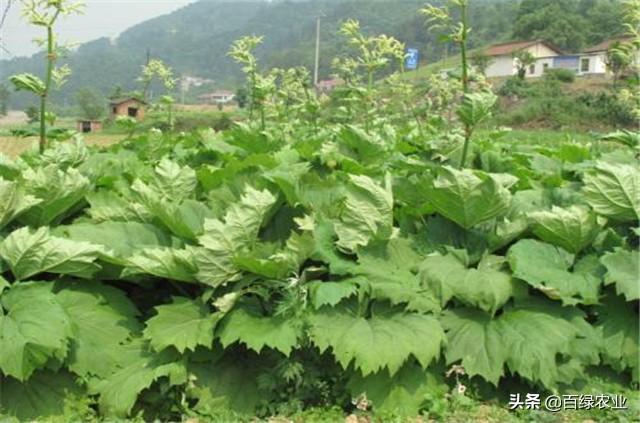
point(383, 252)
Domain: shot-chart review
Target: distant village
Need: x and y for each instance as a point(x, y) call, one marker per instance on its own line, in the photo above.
point(502, 61)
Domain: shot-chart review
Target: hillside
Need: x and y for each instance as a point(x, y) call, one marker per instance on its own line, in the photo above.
point(195, 39)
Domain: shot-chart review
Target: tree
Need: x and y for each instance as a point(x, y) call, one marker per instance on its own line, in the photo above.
point(557, 21)
point(242, 97)
point(33, 114)
point(524, 59)
point(116, 93)
point(91, 103)
point(481, 61)
point(618, 60)
point(4, 99)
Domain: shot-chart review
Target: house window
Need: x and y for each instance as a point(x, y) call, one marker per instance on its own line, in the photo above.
point(545, 66)
point(132, 112)
point(532, 69)
point(86, 126)
point(584, 65)
point(115, 110)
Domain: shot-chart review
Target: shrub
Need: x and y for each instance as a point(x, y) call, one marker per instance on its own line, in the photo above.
point(608, 107)
point(33, 114)
point(514, 87)
point(563, 75)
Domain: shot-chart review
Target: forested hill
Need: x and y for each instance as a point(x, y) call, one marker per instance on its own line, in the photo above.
point(195, 39)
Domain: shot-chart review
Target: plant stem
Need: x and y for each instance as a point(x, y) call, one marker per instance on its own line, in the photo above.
point(43, 99)
point(369, 100)
point(465, 79)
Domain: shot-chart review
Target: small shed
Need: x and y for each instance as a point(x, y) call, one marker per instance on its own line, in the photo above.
point(128, 106)
point(86, 126)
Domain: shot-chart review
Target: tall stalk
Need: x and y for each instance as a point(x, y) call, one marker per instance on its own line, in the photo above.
point(51, 59)
point(45, 14)
point(465, 77)
point(440, 17)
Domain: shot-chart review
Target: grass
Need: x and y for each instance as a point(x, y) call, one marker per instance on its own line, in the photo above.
point(545, 137)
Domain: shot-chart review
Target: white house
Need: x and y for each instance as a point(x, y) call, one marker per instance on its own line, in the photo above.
point(593, 61)
point(505, 64)
point(217, 97)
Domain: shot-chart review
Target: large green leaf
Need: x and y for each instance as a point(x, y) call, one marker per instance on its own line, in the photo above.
point(169, 263)
point(183, 324)
point(34, 328)
point(109, 206)
point(535, 339)
point(13, 201)
point(528, 340)
point(28, 82)
point(229, 384)
point(546, 267)
point(119, 392)
point(174, 181)
point(613, 190)
point(390, 273)
point(325, 250)
point(58, 191)
point(368, 213)
point(381, 342)
point(257, 332)
point(623, 269)
point(572, 229)
point(474, 338)
point(222, 239)
point(31, 253)
point(41, 398)
point(467, 197)
point(102, 320)
point(618, 322)
point(331, 293)
point(476, 107)
point(121, 239)
point(183, 218)
point(486, 288)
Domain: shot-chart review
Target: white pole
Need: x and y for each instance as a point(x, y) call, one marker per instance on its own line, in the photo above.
point(317, 62)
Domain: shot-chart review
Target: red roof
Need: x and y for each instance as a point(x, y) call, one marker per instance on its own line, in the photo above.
point(605, 45)
point(507, 49)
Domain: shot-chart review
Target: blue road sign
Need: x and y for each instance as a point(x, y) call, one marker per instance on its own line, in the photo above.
point(413, 57)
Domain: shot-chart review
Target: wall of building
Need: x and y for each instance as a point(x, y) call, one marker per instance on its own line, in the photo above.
point(501, 66)
point(122, 109)
point(597, 63)
point(541, 50)
point(95, 126)
point(540, 67)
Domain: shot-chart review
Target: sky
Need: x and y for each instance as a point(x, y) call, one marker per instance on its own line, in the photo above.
point(102, 18)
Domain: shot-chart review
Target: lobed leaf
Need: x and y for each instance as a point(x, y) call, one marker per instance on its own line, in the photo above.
point(468, 197)
point(184, 324)
point(381, 342)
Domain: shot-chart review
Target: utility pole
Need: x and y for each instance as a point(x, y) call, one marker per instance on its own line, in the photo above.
point(317, 62)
